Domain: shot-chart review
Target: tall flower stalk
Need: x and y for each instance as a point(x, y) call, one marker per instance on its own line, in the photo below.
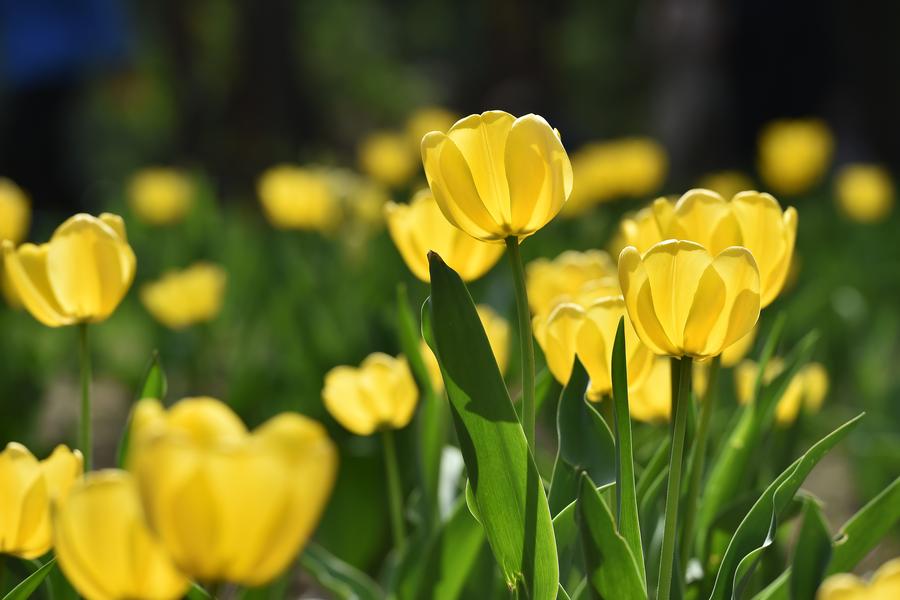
point(526, 341)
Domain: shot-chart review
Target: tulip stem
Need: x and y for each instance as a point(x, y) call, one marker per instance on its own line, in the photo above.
point(85, 435)
point(525, 339)
point(681, 397)
point(395, 489)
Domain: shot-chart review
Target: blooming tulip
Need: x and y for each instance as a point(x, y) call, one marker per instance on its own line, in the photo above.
point(807, 390)
point(497, 176)
point(683, 301)
point(160, 196)
point(794, 154)
point(885, 585)
point(298, 198)
point(105, 547)
point(182, 298)
point(865, 193)
point(229, 505)
point(28, 488)
point(419, 226)
point(79, 276)
point(379, 394)
point(15, 212)
point(572, 276)
point(387, 158)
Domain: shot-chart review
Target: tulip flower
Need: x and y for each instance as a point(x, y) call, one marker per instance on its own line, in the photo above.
point(865, 193)
point(183, 298)
point(387, 158)
point(227, 504)
point(884, 585)
point(160, 196)
point(28, 490)
point(105, 547)
point(579, 277)
point(639, 229)
point(428, 119)
point(806, 391)
point(15, 211)
point(298, 198)
point(731, 356)
point(419, 226)
point(794, 154)
point(650, 401)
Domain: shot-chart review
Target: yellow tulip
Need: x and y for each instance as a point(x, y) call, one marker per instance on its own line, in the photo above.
point(650, 401)
point(497, 330)
point(794, 154)
point(807, 390)
point(572, 276)
point(297, 198)
point(79, 276)
point(419, 226)
point(15, 211)
point(387, 158)
point(726, 183)
point(496, 176)
point(28, 489)
point(885, 585)
point(640, 230)
point(379, 394)
point(683, 301)
point(865, 193)
point(589, 333)
point(160, 196)
point(183, 298)
point(104, 546)
point(427, 119)
point(731, 356)
point(229, 505)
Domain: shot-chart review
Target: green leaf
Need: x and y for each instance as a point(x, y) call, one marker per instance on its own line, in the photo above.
point(756, 532)
point(612, 570)
point(812, 553)
point(197, 592)
point(657, 463)
point(585, 443)
point(565, 529)
point(31, 583)
point(545, 387)
point(153, 385)
point(505, 482)
point(336, 576)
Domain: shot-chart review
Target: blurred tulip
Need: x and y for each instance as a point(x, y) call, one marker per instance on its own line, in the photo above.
point(572, 276)
point(794, 154)
point(79, 276)
point(298, 198)
point(639, 230)
point(419, 226)
point(651, 400)
point(229, 505)
point(387, 158)
point(379, 394)
point(104, 546)
point(806, 390)
point(726, 183)
point(497, 330)
point(28, 489)
point(683, 301)
point(183, 298)
point(427, 119)
point(865, 193)
point(885, 585)
point(15, 211)
point(160, 196)
point(496, 176)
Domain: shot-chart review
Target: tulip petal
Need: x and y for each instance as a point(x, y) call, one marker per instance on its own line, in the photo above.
point(703, 216)
point(389, 389)
point(639, 303)
point(60, 470)
point(27, 271)
point(700, 334)
point(206, 421)
point(770, 236)
point(347, 403)
point(739, 272)
point(24, 504)
point(557, 335)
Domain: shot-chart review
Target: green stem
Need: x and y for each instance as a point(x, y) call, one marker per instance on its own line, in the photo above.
point(698, 460)
point(525, 339)
point(85, 435)
point(680, 399)
point(395, 490)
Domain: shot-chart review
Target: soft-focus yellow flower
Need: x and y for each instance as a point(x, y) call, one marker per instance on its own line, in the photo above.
point(419, 226)
point(496, 176)
point(182, 298)
point(865, 193)
point(298, 198)
point(79, 276)
point(570, 277)
point(731, 356)
point(683, 300)
point(15, 211)
point(590, 333)
point(229, 505)
point(427, 119)
point(794, 154)
point(497, 330)
point(379, 394)
point(650, 400)
point(160, 195)
point(885, 585)
point(640, 230)
point(28, 488)
point(726, 183)
point(806, 390)
point(387, 157)
point(105, 547)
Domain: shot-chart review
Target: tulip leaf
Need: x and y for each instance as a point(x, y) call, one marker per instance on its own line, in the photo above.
point(585, 442)
point(30, 584)
point(612, 569)
point(565, 529)
point(198, 592)
point(812, 553)
point(756, 531)
point(504, 479)
point(336, 576)
point(153, 385)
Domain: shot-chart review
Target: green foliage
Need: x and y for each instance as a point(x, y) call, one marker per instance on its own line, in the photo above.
point(31, 583)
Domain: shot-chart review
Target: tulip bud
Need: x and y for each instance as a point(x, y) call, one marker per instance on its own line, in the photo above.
point(495, 176)
point(105, 547)
point(79, 276)
point(15, 212)
point(28, 488)
point(387, 158)
point(579, 277)
point(183, 298)
point(865, 193)
point(298, 198)
point(380, 393)
point(419, 227)
point(885, 584)
point(794, 154)
point(160, 196)
point(807, 390)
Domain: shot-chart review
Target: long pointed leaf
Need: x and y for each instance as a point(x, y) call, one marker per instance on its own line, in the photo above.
point(812, 553)
point(153, 385)
point(31, 583)
point(336, 576)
